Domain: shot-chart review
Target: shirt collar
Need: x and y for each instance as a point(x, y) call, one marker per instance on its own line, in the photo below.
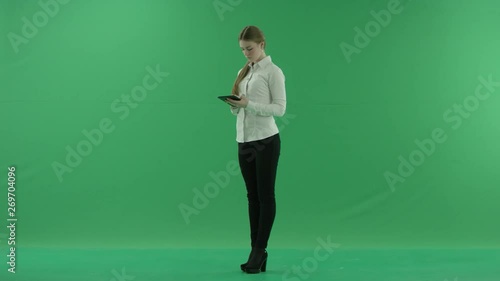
point(262, 63)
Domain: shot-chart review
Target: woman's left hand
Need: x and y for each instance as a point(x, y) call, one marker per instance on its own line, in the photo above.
point(238, 103)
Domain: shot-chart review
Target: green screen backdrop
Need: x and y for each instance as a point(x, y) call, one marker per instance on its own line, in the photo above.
point(110, 117)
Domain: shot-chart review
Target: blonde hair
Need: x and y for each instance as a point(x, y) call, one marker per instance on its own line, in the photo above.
point(249, 33)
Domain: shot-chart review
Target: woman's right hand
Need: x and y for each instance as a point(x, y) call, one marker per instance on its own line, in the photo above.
point(231, 105)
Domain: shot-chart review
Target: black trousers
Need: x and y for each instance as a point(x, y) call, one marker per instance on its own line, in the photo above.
point(259, 163)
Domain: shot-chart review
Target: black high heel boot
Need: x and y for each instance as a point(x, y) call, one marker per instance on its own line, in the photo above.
point(257, 262)
point(243, 265)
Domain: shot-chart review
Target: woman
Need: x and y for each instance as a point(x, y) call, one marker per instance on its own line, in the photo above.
point(260, 84)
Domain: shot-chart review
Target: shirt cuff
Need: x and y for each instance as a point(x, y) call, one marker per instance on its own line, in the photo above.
point(251, 106)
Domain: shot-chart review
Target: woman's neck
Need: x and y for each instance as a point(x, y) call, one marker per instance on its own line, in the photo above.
point(253, 63)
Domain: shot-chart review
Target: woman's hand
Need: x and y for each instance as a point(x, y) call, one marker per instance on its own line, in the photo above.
point(238, 103)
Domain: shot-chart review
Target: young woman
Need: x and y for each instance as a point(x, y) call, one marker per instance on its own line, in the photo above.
point(260, 84)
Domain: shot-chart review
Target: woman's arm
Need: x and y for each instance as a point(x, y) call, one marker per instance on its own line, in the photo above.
point(277, 107)
point(234, 110)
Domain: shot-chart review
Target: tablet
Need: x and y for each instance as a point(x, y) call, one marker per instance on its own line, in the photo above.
point(233, 97)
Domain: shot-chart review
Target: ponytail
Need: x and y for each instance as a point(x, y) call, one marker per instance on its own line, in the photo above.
point(241, 75)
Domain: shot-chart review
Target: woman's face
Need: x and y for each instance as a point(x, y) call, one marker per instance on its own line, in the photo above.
point(251, 50)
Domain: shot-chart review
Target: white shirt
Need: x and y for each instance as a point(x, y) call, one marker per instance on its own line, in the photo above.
point(264, 86)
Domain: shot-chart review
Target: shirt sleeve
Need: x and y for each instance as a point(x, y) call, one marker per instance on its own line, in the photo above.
point(277, 107)
point(234, 110)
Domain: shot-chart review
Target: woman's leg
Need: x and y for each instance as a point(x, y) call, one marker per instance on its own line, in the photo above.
point(267, 155)
point(247, 161)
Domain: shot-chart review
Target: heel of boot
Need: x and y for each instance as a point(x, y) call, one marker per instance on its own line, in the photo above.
point(264, 266)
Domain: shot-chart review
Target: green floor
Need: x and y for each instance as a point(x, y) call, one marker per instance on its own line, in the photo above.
point(179, 265)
